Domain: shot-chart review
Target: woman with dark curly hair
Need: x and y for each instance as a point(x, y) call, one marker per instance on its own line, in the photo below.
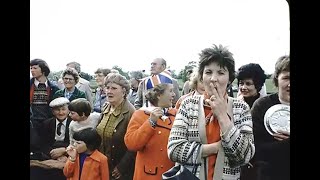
point(251, 78)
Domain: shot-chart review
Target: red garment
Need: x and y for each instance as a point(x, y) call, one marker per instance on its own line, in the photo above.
point(213, 135)
point(95, 167)
point(151, 145)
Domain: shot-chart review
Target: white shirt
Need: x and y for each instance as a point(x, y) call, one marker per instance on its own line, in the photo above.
point(36, 82)
point(63, 130)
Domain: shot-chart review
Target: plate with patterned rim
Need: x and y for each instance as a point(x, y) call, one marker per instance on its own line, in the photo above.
point(277, 118)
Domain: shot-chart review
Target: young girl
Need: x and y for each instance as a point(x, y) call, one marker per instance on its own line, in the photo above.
point(85, 162)
point(80, 113)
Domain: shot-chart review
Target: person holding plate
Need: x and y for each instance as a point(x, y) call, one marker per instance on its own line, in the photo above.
point(271, 126)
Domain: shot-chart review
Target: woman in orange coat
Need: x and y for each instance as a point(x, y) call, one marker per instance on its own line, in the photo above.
point(149, 129)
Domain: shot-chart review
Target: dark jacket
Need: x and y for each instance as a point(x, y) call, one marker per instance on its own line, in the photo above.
point(75, 95)
point(274, 154)
point(117, 153)
point(47, 135)
point(51, 89)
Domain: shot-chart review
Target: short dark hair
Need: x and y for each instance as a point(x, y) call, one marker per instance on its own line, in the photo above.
point(252, 71)
point(42, 64)
point(89, 136)
point(219, 54)
point(81, 106)
point(282, 64)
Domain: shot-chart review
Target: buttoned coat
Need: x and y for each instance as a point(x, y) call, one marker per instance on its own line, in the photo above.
point(150, 143)
point(95, 167)
point(118, 154)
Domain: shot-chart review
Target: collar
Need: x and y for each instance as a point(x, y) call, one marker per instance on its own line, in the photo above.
point(118, 109)
point(95, 155)
point(72, 91)
point(36, 82)
point(64, 122)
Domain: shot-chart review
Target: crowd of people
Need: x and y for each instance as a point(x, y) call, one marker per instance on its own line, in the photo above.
point(141, 127)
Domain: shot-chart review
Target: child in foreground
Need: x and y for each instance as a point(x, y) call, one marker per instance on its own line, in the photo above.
point(85, 162)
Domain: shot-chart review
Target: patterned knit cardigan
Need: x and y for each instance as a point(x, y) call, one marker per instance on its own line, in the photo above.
point(189, 129)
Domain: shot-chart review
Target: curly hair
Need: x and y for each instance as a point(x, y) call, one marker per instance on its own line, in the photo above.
point(42, 64)
point(252, 71)
point(72, 72)
point(219, 54)
point(282, 64)
point(118, 79)
point(157, 90)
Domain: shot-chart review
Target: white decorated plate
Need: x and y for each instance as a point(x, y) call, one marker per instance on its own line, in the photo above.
point(277, 118)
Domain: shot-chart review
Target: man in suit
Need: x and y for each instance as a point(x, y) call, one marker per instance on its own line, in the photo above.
point(54, 139)
point(55, 131)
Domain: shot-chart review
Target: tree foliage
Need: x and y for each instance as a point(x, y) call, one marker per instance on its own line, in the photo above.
point(183, 73)
point(125, 74)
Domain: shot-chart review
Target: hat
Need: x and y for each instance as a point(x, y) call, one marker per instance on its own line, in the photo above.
point(60, 101)
point(161, 78)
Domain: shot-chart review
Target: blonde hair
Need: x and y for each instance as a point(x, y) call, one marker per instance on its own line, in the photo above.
point(157, 90)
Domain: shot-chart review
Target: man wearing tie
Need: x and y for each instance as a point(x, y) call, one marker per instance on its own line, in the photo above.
point(55, 131)
point(54, 138)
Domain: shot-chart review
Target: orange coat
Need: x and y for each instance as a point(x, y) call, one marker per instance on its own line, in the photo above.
point(151, 145)
point(95, 167)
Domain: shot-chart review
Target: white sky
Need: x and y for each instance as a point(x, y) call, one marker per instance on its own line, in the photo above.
point(127, 33)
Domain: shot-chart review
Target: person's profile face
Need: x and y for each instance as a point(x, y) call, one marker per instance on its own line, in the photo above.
point(100, 79)
point(75, 116)
point(167, 97)
point(36, 71)
point(156, 66)
point(80, 146)
point(134, 83)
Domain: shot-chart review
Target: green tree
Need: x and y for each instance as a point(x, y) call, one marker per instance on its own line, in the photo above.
point(125, 74)
point(183, 73)
point(85, 76)
point(55, 76)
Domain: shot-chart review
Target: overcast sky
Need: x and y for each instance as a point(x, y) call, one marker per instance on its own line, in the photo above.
point(130, 33)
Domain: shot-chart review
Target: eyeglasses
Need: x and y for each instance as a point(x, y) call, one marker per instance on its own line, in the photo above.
point(67, 79)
